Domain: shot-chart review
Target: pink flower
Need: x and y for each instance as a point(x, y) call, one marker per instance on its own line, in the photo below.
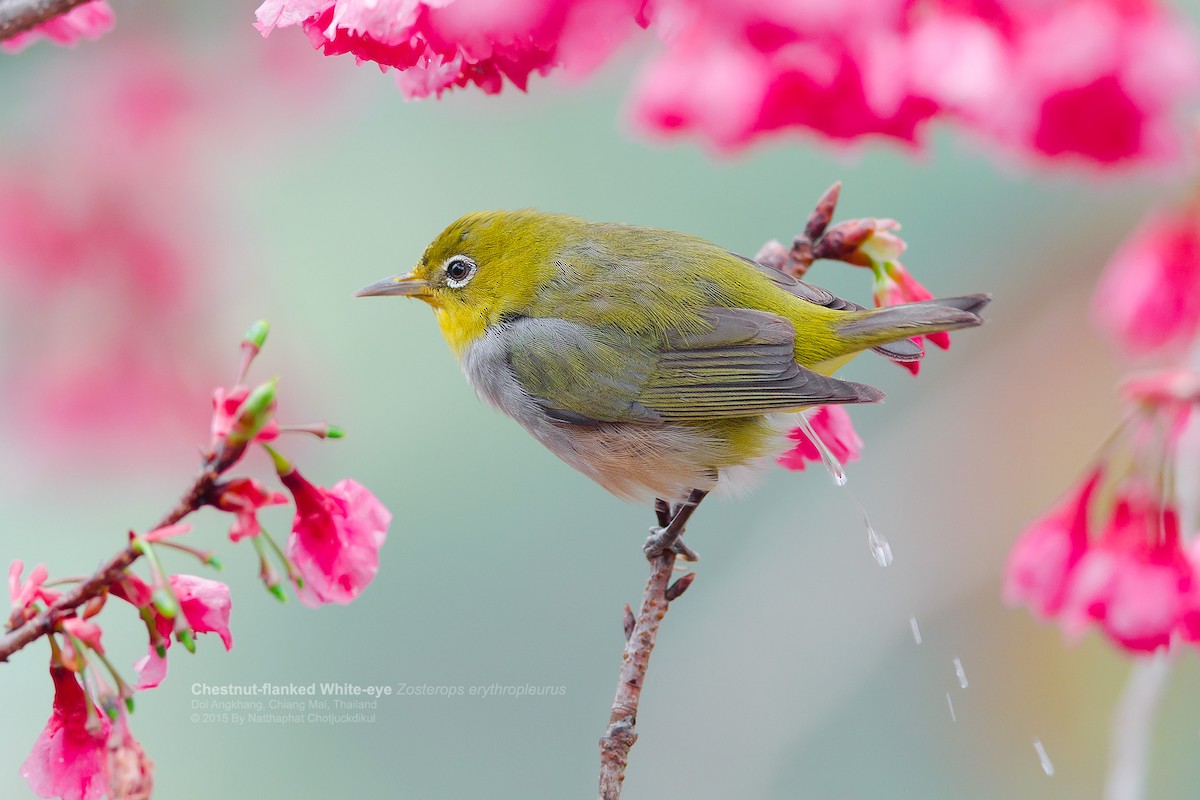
point(1135, 581)
point(244, 497)
point(68, 759)
point(88, 21)
point(734, 71)
point(22, 594)
point(440, 44)
point(1043, 560)
point(84, 631)
point(833, 425)
point(205, 605)
point(1148, 298)
point(167, 532)
point(130, 773)
point(335, 538)
point(1095, 81)
point(227, 403)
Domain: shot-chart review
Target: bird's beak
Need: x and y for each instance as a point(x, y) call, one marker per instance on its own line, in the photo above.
point(405, 285)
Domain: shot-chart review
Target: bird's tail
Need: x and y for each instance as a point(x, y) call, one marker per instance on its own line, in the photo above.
point(888, 329)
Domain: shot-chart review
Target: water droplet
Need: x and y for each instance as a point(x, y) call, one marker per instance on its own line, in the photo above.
point(879, 545)
point(827, 457)
point(950, 702)
point(912, 621)
point(960, 672)
point(1047, 767)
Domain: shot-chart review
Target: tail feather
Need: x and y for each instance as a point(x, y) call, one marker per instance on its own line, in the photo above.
point(882, 326)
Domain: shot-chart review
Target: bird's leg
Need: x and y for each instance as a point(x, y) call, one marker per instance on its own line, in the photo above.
point(663, 509)
point(664, 537)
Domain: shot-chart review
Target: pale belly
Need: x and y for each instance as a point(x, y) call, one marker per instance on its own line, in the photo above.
point(635, 461)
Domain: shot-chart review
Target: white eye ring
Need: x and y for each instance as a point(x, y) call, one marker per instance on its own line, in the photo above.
point(459, 271)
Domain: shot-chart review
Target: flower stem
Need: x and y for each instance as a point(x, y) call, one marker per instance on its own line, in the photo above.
point(1133, 727)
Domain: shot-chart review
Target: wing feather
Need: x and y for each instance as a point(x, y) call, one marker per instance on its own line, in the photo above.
point(741, 365)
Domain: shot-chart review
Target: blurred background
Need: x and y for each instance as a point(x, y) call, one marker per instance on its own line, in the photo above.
point(164, 187)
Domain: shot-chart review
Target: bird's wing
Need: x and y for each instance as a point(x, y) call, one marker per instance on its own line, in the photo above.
point(741, 365)
point(903, 350)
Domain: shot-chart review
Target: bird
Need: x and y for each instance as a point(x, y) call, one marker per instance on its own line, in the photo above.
point(659, 364)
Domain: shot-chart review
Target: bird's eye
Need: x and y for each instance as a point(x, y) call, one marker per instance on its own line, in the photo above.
point(459, 271)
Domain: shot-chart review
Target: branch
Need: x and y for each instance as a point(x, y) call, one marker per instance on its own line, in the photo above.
point(19, 16)
point(661, 550)
point(108, 573)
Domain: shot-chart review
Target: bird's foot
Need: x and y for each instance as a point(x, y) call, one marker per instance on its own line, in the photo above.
point(667, 535)
point(657, 544)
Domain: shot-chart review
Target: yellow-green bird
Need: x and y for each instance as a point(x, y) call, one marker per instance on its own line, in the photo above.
point(658, 364)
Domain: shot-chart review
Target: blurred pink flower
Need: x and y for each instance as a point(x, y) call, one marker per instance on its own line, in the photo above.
point(1044, 558)
point(68, 758)
point(244, 497)
point(335, 539)
point(1148, 298)
point(88, 21)
point(130, 773)
point(733, 71)
point(127, 374)
point(1097, 80)
point(439, 44)
point(1135, 581)
point(833, 425)
point(24, 593)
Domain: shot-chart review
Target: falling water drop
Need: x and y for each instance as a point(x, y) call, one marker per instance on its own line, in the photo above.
point(912, 621)
point(830, 460)
point(1047, 767)
point(960, 672)
point(879, 545)
point(950, 702)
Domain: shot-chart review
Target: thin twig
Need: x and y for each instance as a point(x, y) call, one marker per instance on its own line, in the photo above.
point(19, 16)
point(108, 573)
point(618, 739)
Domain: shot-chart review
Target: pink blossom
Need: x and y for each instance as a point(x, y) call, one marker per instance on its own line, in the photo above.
point(833, 425)
point(1148, 298)
point(226, 404)
point(22, 594)
point(335, 539)
point(84, 631)
point(205, 605)
point(733, 71)
point(440, 44)
point(894, 285)
point(1096, 81)
point(1135, 582)
point(88, 21)
point(1043, 560)
point(244, 497)
point(1090, 80)
point(130, 773)
point(68, 758)
point(167, 532)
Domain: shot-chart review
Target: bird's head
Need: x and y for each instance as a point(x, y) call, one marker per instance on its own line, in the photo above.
point(484, 268)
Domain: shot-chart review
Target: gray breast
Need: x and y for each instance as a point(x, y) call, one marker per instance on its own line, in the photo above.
point(636, 461)
point(485, 364)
